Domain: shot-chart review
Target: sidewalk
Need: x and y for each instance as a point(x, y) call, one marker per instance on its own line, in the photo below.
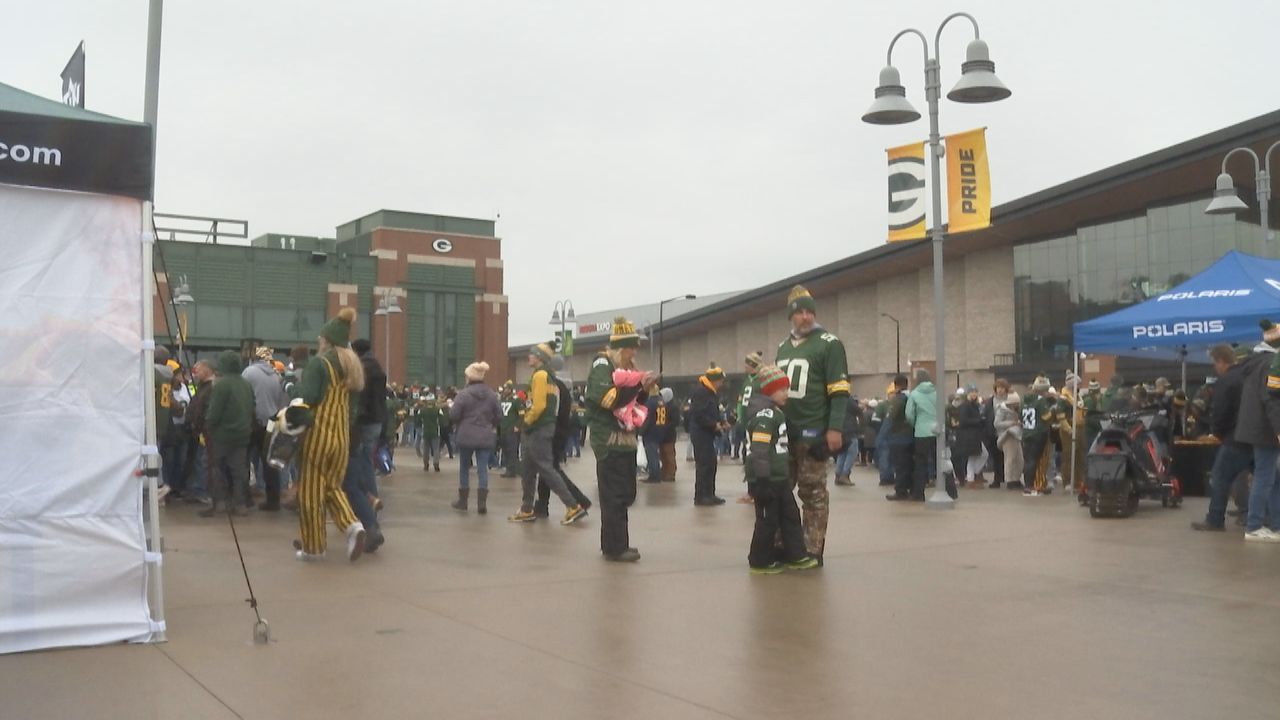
point(1005, 607)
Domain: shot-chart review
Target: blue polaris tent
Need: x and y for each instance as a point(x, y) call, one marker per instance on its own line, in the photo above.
point(1221, 304)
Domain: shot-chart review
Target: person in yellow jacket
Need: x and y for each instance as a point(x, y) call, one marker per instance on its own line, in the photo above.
point(537, 430)
point(328, 382)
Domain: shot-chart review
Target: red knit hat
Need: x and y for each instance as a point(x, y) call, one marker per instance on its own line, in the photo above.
point(772, 379)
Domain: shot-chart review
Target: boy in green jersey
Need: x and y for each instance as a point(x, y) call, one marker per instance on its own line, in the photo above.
point(814, 360)
point(768, 466)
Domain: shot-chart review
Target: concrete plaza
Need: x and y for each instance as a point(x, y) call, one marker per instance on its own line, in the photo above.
point(1005, 607)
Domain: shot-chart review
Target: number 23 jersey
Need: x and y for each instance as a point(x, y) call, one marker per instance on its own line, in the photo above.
point(819, 375)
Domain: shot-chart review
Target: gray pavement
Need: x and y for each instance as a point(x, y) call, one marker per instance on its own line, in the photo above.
point(1005, 607)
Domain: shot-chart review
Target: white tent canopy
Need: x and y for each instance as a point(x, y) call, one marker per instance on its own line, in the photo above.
point(75, 568)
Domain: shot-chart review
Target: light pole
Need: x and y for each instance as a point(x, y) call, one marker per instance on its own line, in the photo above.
point(561, 315)
point(387, 307)
point(897, 340)
point(661, 335)
point(180, 302)
point(978, 84)
point(1225, 201)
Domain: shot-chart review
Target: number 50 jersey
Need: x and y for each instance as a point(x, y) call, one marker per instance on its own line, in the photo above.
point(819, 394)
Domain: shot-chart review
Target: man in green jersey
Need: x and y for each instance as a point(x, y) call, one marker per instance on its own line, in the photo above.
point(814, 360)
point(509, 430)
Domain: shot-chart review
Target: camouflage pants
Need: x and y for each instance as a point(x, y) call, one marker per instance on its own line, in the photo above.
point(810, 476)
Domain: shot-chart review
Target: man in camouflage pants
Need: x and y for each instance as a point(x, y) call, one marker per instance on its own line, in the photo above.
point(815, 362)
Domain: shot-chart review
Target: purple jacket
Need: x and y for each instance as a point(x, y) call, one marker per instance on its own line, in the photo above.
point(476, 414)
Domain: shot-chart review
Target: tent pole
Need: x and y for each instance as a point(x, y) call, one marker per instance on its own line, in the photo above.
point(151, 462)
point(1075, 408)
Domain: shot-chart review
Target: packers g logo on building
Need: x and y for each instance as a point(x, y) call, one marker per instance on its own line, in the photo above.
point(906, 192)
point(442, 245)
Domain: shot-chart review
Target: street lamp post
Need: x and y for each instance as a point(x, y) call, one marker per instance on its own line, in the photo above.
point(561, 315)
point(1225, 201)
point(897, 340)
point(387, 307)
point(978, 84)
point(661, 335)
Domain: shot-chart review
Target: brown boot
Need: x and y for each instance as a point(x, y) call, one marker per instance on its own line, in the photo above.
point(461, 502)
point(482, 497)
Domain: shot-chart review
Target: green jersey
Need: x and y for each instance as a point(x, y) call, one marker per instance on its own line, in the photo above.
point(749, 388)
point(767, 432)
point(430, 418)
point(1037, 412)
point(512, 409)
point(819, 391)
point(602, 398)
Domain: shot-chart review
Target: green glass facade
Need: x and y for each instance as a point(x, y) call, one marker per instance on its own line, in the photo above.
point(1106, 266)
point(441, 321)
point(271, 295)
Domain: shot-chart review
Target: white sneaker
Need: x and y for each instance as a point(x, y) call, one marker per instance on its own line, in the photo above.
point(308, 557)
point(1262, 535)
point(355, 541)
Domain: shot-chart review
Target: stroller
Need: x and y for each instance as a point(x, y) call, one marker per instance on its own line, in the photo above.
point(1125, 464)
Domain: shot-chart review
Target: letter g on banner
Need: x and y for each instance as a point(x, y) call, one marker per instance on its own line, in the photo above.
point(906, 192)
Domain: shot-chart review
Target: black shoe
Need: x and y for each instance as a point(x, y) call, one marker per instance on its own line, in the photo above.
point(628, 555)
point(895, 497)
point(1207, 527)
point(269, 506)
point(437, 468)
point(374, 541)
point(709, 502)
point(1015, 485)
point(916, 498)
point(887, 483)
point(540, 512)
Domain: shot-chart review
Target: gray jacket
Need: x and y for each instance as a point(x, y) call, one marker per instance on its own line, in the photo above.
point(268, 390)
point(475, 414)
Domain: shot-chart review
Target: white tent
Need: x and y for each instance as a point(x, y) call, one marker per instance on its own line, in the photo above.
point(76, 427)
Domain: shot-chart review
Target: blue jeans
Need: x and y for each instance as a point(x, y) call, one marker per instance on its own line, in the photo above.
point(1264, 498)
point(1232, 459)
point(361, 481)
point(173, 459)
point(571, 447)
point(845, 460)
point(652, 460)
point(482, 467)
point(200, 478)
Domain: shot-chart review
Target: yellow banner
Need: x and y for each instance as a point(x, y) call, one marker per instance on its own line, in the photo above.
point(968, 182)
point(906, 192)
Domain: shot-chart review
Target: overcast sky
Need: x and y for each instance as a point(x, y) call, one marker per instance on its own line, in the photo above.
point(630, 151)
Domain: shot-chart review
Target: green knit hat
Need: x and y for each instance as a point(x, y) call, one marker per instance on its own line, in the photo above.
point(338, 330)
point(800, 299)
point(623, 334)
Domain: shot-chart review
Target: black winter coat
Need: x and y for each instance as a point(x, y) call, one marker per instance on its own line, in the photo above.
point(1225, 407)
point(970, 430)
point(1259, 418)
point(704, 411)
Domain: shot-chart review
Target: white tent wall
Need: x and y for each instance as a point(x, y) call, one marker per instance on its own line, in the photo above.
point(73, 554)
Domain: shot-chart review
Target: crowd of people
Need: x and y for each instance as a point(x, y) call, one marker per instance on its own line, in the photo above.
point(791, 423)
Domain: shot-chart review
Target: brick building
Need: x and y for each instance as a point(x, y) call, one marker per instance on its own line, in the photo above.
point(443, 273)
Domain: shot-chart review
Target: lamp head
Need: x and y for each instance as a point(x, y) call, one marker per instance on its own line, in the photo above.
point(570, 316)
point(978, 82)
point(890, 106)
point(555, 317)
point(1225, 201)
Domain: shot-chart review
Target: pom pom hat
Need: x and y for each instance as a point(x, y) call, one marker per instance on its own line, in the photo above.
point(800, 299)
point(714, 374)
point(475, 372)
point(338, 330)
point(1270, 333)
point(772, 379)
point(623, 334)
